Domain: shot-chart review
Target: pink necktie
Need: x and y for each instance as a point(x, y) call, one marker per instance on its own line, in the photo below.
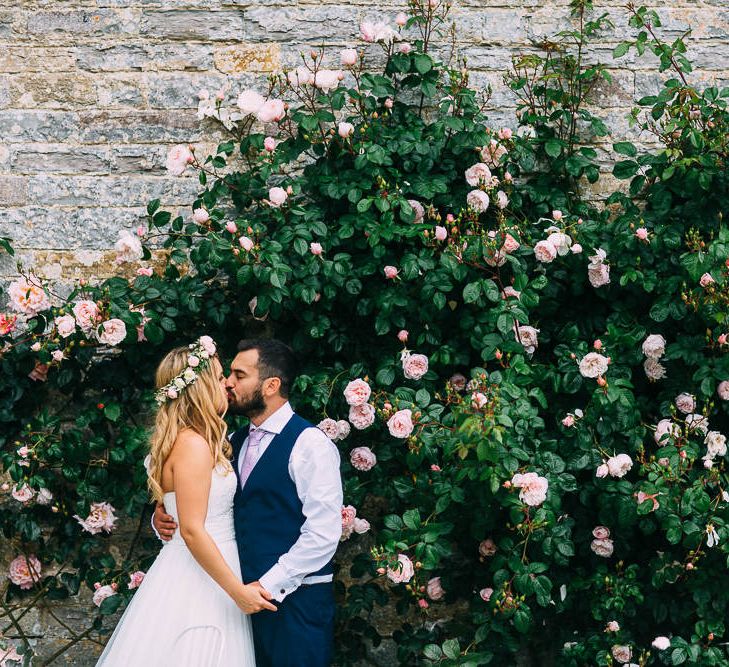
point(251, 456)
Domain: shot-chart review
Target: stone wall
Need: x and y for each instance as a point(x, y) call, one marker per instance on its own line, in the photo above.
point(93, 93)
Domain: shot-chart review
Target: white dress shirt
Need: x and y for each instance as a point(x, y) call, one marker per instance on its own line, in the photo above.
point(314, 469)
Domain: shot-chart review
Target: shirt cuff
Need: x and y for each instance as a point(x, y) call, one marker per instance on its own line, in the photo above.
point(277, 583)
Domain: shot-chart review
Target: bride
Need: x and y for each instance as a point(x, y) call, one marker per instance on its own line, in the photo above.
point(191, 609)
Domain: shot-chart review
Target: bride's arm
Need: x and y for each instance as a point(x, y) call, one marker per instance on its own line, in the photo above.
point(191, 466)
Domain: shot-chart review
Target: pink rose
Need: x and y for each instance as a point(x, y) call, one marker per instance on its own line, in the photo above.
point(441, 233)
point(87, 314)
point(527, 336)
point(686, 403)
point(101, 518)
point(35, 347)
point(602, 548)
point(402, 571)
point(277, 196)
point(28, 296)
point(479, 399)
point(457, 381)
point(8, 322)
point(533, 488)
point(128, 247)
point(722, 339)
point(362, 416)
point(661, 643)
point(402, 336)
point(231, 227)
point(418, 209)
point(345, 130)
point(641, 497)
point(401, 19)
point(415, 366)
point(145, 271)
point(641, 233)
point(621, 653)
point(486, 594)
point(24, 572)
point(270, 111)
point(200, 216)
point(135, 578)
point(556, 215)
point(706, 280)
point(664, 428)
point(545, 252)
point(723, 390)
point(477, 174)
point(568, 421)
point(246, 243)
point(65, 325)
point(301, 76)
point(361, 526)
point(22, 494)
point(315, 248)
point(343, 429)
point(103, 592)
point(601, 532)
point(390, 272)
point(57, 355)
point(478, 200)
point(612, 626)
point(654, 346)
point(249, 102)
point(575, 248)
point(362, 459)
point(401, 424)
point(492, 153)
point(348, 57)
point(113, 332)
point(269, 144)
point(510, 244)
point(505, 133)
point(178, 158)
point(327, 79)
point(405, 47)
point(348, 517)
point(618, 466)
point(502, 200)
point(357, 392)
point(434, 589)
point(486, 548)
point(329, 428)
point(599, 275)
point(510, 293)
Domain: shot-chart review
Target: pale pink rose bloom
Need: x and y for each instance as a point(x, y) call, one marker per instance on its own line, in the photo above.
point(401, 424)
point(405, 47)
point(601, 532)
point(7, 323)
point(376, 32)
point(315, 248)
point(348, 57)
point(575, 248)
point(478, 173)
point(664, 462)
point(200, 216)
point(367, 31)
point(10, 654)
point(24, 571)
point(716, 444)
point(505, 133)
point(103, 592)
point(246, 243)
point(557, 215)
point(642, 233)
point(495, 258)
point(44, 497)
point(599, 275)
point(706, 280)
point(654, 369)
point(602, 471)
point(722, 339)
point(128, 247)
point(666, 427)
point(478, 200)
point(357, 392)
point(113, 332)
point(269, 144)
point(23, 451)
point(208, 345)
point(402, 336)
point(270, 111)
point(434, 589)
point(492, 153)
point(402, 572)
point(178, 158)
point(65, 325)
point(362, 416)
point(457, 381)
point(327, 79)
point(510, 293)
point(301, 76)
point(101, 518)
point(39, 372)
point(502, 199)
point(362, 459)
point(527, 336)
point(348, 516)
point(145, 271)
point(417, 209)
point(28, 296)
point(696, 422)
point(390, 272)
point(389, 103)
point(343, 429)
point(401, 19)
point(35, 347)
point(415, 366)
point(686, 403)
point(612, 626)
point(345, 130)
point(661, 643)
point(231, 227)
point(568, 421)
point(545, 252)
point(642, 496)
point(135, 578)
point(57, 355)
point(622, 653)
point(654, 346)
point(603, 548)
point(723, 390)
point(510, 244)
point(277, 196)
point(486, 594)
point(560, 241)
point(533, 488)
point(87, 314)
point(249, 102)
point(441, 233)
point(486, 548)
point(479, 399)
point(329, 427)
point(618, 466)
point(22, 494)
point(593, 365)
point(361, 526)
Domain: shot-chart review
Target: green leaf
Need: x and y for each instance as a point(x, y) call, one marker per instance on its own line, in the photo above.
point(112, 411)
point(625, 148)
point(423, 63)
point(553, 147)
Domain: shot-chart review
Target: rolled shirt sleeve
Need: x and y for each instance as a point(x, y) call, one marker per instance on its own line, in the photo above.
point(314, 468)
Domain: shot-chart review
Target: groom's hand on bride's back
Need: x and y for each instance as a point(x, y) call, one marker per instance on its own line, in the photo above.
point(163, 523)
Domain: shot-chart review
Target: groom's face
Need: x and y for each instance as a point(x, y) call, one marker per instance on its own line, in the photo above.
point(244, 385)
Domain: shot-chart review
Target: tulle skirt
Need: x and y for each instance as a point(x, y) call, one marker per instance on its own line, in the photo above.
point(180, 617)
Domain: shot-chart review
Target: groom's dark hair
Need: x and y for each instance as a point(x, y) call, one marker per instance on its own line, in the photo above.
point(275, 360)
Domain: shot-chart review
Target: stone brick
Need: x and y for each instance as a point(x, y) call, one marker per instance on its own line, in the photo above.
point(31, 125)
point(16, 59)
point(179, 91)
point(305, 23)
point(137, 57)
point(138, 126)
point(48, 25)
point(58, 91)
point(13, 191)
point(60, 159)
point(193, 24)
point(619, 92)
point(247, 58)
point(111, 57)
point(121, 91)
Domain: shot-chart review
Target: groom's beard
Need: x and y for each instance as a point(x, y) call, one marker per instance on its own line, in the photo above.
point(249, 407)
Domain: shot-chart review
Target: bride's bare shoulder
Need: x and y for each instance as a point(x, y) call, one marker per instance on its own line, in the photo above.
point(191, 446)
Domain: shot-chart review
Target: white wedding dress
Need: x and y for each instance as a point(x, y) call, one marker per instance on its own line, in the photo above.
point(180, 617)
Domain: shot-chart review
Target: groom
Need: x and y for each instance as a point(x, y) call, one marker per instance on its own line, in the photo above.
point(287, 509)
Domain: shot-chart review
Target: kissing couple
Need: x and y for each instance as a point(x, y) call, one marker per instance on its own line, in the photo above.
point(250, 524)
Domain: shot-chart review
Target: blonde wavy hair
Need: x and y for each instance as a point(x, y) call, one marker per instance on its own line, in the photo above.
point(197, 407)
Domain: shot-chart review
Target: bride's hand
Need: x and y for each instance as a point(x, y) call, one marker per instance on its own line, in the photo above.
point(253, 598)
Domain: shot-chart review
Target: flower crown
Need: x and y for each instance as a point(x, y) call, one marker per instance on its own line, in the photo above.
point(198, 359)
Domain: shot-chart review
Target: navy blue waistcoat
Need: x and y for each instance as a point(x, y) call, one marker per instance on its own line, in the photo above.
point(268, 514)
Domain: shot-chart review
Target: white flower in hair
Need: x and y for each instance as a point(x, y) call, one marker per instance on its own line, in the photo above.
point(198, 359)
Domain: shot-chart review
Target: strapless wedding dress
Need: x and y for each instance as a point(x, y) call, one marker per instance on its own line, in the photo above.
point(179, 616)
